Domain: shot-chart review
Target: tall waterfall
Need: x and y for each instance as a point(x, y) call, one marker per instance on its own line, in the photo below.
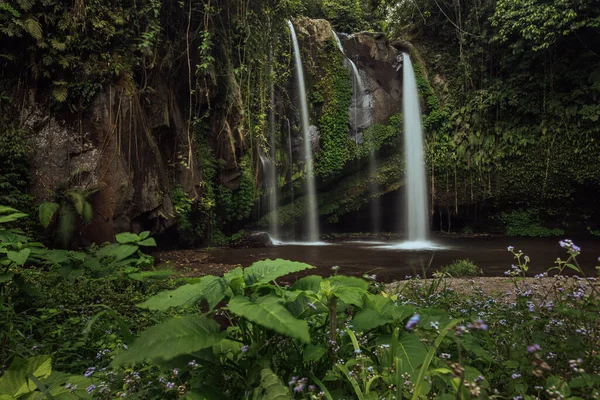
point(271, 172)
point(312, 220)
point(416, 184)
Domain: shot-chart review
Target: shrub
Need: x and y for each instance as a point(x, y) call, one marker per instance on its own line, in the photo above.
point(461, 268)
point(526, 223)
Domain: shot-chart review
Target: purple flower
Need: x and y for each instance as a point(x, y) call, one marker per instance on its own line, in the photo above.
point(245, 348)
point(533, 348)
point(412, 322)
point(311, 305)
point(515, 376)
point(89, 372)
point(170, 385)
point(478, 324)
point(91, 388)
point(510, 248)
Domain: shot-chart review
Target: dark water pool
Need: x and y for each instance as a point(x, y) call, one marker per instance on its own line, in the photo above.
point(357, 258)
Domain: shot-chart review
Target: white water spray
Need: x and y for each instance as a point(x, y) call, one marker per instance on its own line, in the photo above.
point(417, 221)
point(312, 220)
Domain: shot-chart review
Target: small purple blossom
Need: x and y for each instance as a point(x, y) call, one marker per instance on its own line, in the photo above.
point(170, 385)
point(91, 388)
point(515, 376)
point(412, 322)
point(510, 248)
point(478, 324)
point(245, 348)
point(533, 348)
point(89, 372)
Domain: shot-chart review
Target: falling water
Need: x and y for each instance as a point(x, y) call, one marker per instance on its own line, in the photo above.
point(271, 174)
point(360, 109)
point(312, 221)
point(416, 191)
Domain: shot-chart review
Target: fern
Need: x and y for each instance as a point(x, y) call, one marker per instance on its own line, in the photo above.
point(33, 27)
point(4, 6)
point(47, 210)
point(271, 387)
point(26, 5)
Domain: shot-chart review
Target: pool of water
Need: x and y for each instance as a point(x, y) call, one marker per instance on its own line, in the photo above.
point(390, 261)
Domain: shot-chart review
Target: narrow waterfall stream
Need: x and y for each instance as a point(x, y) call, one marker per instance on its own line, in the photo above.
point(271, 171)
point(417, 221)
point(312, 219)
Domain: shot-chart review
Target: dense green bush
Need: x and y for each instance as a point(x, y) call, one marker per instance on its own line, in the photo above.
point(526, 223)
point(461, 268)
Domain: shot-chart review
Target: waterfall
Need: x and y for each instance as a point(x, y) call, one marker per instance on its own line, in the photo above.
point(360, 110)
point(271, 172)
point(312, 219)
point(415, 185)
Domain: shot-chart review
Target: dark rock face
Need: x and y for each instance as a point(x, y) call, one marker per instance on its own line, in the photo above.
point(120, 147)
point(254, 240)
point(379, 64)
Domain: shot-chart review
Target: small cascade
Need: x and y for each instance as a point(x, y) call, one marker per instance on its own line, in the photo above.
point(271, 172)
point(312, 220)
point(360, 118)
point(417, 224)
point(360, 108)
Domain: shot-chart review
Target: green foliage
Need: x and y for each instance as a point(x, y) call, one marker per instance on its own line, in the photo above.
point(335, 86)
point(172, 338)
point(527, 223)
point(34, 379)
point(271, 387)
point(506, 86)
point(73, 206)
point(461, 269)
point(14, 171)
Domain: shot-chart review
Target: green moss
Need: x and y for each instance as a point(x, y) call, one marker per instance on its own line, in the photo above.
point(333, 88)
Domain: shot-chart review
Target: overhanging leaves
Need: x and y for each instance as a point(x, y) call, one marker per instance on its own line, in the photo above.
point(172, 338)
point(272, 315)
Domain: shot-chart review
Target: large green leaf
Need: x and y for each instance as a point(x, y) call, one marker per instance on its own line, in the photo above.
point(378, 311)
point(410, 353)
point(19, 257)
point(211, 288)
point(270, 314)
point(150, 242)
point(271, 387)
point(183, 296)
point(172, 338)
point(311, 282)
point(46, 212)
point(127, 237)
point(347, 288)
point(15, 381)
point(267, 270)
